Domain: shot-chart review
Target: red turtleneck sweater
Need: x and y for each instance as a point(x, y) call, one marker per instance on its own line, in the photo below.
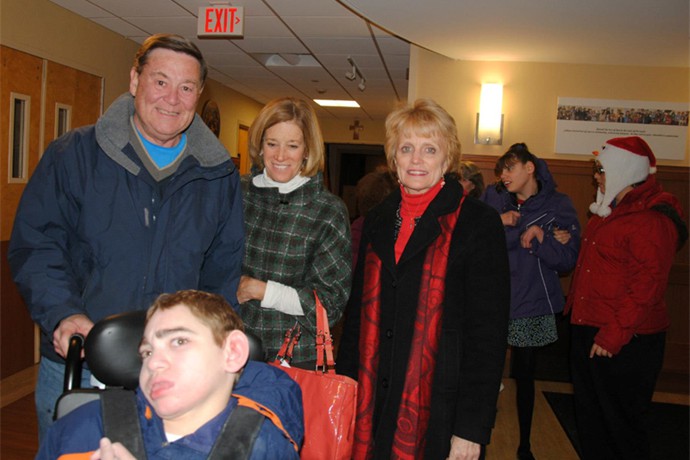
point(411, 208)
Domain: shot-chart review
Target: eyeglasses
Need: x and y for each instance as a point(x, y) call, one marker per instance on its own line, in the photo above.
point(598, 169)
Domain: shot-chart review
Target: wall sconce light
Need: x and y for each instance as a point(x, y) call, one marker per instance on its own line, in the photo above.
point(489, 129)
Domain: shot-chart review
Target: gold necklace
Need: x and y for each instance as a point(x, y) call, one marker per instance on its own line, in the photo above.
point(414, 218)
point(411, 214)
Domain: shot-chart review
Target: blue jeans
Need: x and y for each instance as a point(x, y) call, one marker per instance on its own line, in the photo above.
point(51, 377)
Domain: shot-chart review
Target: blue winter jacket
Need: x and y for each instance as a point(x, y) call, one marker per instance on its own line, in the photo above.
point(535, 285)
point(81, 430)
point(95, 234)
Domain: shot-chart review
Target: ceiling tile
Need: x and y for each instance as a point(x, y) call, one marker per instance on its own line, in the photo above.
point(83, 8)
point(265, 27)
point(309, 8)
point(185, 26)
point(148, 8)
point(120, 26)
point(333, 28)
point(271, 45)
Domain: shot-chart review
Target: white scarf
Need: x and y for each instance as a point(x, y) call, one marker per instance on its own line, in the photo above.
point(263, 181)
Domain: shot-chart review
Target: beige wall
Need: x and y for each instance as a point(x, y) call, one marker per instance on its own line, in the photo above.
point(339, 132)
point(235, 109)
point(530, 94)
point(46, 30)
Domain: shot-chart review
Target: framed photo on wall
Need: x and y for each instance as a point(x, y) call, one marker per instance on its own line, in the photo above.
point(584, 125)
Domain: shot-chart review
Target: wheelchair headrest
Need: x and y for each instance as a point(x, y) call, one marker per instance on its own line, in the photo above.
point(112, 349)
point(256, 347)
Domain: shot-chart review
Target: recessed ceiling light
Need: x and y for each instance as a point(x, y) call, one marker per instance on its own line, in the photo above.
point(336, 103)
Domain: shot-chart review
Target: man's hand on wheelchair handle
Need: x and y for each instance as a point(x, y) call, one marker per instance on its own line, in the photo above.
point(75, 324)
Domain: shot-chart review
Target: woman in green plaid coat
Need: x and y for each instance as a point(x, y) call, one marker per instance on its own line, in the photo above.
point(297, 232)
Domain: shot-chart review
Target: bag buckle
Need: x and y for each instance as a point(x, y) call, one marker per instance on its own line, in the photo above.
point(323, 340)
point(290, 339)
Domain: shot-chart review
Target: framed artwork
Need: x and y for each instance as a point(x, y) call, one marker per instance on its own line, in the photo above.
point(584, 125)
point(211, 116)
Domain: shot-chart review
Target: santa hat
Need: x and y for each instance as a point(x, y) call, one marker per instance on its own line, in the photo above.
point(626, 161)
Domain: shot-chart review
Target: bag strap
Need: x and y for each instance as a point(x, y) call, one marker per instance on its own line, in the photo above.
point(325, 362)
point(291, 338)
point(283, 348)
point(296, 334)
point(324, 340)
point(681, 227)
point(121, 420)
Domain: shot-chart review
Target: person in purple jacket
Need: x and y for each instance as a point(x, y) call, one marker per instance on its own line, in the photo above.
point(543, 239)
point(194, 375)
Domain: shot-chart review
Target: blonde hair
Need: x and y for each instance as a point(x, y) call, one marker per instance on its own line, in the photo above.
point(303, 115)
point(424, 118)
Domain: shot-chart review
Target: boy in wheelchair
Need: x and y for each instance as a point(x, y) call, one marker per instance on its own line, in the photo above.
point(197, 390)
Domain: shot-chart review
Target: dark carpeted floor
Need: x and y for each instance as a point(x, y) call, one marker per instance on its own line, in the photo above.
point(669, 425)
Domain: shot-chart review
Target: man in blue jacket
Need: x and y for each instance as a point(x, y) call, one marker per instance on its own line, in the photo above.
point(194, 375)
point(145, 201)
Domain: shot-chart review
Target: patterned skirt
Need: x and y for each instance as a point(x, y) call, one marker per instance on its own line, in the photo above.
point(535, 331)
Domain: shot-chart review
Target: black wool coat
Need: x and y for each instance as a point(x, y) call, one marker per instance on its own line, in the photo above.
point(476, 306)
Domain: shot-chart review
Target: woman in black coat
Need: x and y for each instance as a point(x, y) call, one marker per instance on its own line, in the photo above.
point(427, 319)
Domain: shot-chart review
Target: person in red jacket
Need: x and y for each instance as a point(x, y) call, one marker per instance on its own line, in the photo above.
point(616, 300)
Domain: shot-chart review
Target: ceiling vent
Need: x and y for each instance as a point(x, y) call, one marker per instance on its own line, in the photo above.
point(286, 60)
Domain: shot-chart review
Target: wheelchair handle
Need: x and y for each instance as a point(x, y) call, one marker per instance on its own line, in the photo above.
point(73, 363)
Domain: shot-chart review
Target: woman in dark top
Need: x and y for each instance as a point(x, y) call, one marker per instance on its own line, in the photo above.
point(427, 318)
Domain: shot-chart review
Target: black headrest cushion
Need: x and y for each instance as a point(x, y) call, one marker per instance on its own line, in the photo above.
point(112, 349)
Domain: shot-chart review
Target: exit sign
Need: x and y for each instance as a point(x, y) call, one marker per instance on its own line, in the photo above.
point(220, 21)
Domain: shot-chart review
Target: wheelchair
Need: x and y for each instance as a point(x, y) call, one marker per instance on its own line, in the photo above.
point(111, 351)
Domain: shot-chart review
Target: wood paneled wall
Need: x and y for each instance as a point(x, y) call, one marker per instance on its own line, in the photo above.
point(17, 350)
point(574, 178)
point(47, 84)
point(80, 90)
point(21, 74)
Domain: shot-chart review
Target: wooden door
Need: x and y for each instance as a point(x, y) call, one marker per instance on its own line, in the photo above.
point(35, 93)
point(243, 149)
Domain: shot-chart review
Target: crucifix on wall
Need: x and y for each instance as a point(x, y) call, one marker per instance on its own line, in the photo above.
point(356, 128)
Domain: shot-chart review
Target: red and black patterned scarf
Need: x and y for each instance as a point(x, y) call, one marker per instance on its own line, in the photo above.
point(413, 414)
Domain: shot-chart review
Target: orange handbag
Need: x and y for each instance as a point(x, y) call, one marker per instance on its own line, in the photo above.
point(329, 400)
